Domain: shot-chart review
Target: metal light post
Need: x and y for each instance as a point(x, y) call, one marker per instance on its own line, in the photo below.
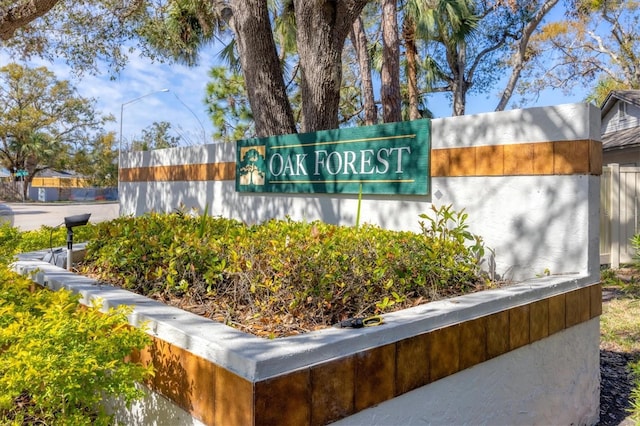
point(121, 115)
point(204, 133)
point(120, 142)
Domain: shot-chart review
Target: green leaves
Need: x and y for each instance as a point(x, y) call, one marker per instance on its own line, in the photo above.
point(59, 361)
point(290, 272)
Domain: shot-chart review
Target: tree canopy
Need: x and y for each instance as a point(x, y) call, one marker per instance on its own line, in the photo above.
point(43, 121)
point(595, 46)
point(299, 73)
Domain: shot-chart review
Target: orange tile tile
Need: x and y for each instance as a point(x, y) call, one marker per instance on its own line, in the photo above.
point(595, 158)
point(543, 158)
point(233, 400)
point(412, 363)
point(570, 157)
point(131, 175)
point(497, 334)
point(444, 354)
point(160, 173)
point(519, 326)
point(440, 162)
point(202, 375)
point(539, 320)
point(557, 313)
point(171, 379)
point(595, 299)
point(191, 172)
point(578, 306)
point(332, 391)
point(177, 174)
point(473, 342)
point(489, 160)
point(283, 400)
point(518, 159)
point(462, 162)
point(375, 376)
point(221, 171)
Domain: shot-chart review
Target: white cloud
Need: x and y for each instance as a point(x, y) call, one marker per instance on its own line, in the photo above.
point(144, 78)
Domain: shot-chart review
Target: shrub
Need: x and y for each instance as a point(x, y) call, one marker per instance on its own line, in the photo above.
point(281, 273)
point(14, 241)
point(57, 361)
point(635, 243)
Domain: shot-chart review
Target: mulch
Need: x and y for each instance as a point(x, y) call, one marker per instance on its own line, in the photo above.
point(616, 380)
point(615, 387)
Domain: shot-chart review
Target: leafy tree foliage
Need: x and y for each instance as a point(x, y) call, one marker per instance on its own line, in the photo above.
point(43, 121)
point(228, 105)
point(81, 32)
point(598, 42)
point(156, 136)
point(98, 160)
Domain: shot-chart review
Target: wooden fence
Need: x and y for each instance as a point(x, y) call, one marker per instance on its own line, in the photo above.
point(619, 213)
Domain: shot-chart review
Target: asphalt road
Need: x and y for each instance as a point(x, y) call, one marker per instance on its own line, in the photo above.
point(30, 216)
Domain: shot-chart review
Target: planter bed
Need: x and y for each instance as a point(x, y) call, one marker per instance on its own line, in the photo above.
point(415, 367)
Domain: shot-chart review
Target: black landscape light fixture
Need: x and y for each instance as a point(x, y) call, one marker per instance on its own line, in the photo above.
point(71, 222)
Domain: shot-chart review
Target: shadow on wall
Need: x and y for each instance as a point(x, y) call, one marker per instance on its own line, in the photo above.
point(171, 381)
point(523, 218)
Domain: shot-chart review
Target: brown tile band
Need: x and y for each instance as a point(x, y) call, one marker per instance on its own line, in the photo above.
point(336, 389)
point(527, 159)
point(186, 172)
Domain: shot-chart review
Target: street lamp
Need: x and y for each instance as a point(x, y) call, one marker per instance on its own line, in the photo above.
point(204, 133)
point(122, 113)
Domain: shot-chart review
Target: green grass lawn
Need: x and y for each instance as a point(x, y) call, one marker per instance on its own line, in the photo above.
point(620, 325)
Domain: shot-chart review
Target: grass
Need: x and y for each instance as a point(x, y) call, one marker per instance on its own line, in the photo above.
point(620, 324)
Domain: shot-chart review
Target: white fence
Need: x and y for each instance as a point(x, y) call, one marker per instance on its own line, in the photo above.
point(619, 213)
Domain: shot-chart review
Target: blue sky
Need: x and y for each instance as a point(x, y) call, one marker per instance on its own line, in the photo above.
point(141, 77)
point(183, 106)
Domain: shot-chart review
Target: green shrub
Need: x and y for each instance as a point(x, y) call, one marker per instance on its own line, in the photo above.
point(14, 241)
point(59, 361)
point(283, 272)
point(635, 243)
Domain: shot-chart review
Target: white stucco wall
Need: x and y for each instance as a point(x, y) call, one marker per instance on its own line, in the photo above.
point(533, 223)
point(554, 381)
point(152, 409)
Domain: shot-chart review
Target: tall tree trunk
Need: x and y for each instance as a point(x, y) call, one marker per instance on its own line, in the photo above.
point(390, 74)
point(259, 60)
point(411, 53)
point(360, 44)
point(322, 27)
point(520, 57)
point(20, 14)
point(458, 60)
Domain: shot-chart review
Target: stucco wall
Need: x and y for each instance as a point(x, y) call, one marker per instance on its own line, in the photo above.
point(523, 176)
point(523, 354)
point(551, 382)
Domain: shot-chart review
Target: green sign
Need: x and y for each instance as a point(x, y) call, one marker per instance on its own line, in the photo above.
point(388, 158)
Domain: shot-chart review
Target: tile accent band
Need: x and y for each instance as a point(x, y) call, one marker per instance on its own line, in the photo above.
point(522, 159)
point(327, 392)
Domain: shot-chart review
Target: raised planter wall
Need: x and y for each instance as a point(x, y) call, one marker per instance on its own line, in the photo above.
point(523, 354)
point(523, 176)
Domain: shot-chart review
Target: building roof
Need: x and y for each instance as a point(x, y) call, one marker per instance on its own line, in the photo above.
point(621, 138)
point(628, 96)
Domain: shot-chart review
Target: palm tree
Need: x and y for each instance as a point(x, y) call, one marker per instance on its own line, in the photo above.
point(450, 22)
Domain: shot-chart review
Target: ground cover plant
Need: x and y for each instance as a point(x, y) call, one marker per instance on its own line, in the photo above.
point(283, 277)
point(620, 331)
point(57, 361)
